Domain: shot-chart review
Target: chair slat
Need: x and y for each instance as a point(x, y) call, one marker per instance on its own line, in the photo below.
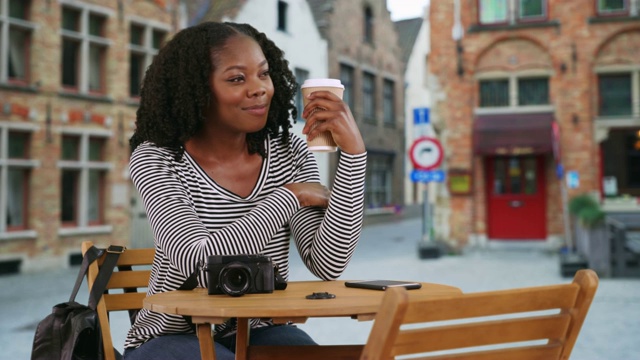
point(119, 302)
point(495, 303)
point(478, 334)
point(541, 352)
point(129, 279)
point(131, 257)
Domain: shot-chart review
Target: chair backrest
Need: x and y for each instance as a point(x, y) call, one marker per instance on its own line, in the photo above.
point(528, 323)
point(125, 290)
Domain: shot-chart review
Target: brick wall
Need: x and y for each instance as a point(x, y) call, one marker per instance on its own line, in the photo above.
point(569, 50)
point(44, 104)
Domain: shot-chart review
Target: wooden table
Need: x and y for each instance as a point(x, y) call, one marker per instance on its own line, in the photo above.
point(282, 306)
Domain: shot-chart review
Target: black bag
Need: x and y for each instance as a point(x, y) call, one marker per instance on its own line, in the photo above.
point(72, 330)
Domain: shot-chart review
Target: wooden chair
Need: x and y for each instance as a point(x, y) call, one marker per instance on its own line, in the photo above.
point(126, 288)
point(522, 325)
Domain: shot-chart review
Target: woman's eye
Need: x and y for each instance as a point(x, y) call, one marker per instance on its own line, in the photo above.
point(266, 73)
point(236, 79)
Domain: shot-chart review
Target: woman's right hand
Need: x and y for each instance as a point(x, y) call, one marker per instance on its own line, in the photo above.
point(310, 194)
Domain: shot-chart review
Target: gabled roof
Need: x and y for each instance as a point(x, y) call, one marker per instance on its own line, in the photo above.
point(219, 9)
point(321, 9)
point(408, 31)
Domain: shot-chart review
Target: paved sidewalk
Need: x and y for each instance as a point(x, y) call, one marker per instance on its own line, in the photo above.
point(385, 251)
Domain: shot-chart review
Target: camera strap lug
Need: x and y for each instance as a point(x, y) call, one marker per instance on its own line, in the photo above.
point(192, 281)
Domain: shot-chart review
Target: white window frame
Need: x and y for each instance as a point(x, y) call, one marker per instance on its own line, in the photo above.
point(5, 23)
point(5, 163)
point(513, 16)
point(146, 49)
point(85, 40)
point(513, 92)
point(83, 165)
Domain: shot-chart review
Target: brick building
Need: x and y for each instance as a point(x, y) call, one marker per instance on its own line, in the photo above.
point(70, 73)
point(522, 88)
point(364, 53)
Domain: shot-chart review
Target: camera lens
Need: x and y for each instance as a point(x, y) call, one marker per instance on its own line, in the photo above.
point(235, 279)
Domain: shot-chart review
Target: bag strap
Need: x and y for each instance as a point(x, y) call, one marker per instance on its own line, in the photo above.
point(99, 286)
point(89, 257)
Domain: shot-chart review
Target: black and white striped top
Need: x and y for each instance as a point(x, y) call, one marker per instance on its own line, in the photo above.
point(192, 217)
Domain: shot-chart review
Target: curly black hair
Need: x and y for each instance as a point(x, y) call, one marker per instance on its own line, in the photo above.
point(175, 91)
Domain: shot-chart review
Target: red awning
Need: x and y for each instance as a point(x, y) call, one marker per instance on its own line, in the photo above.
point(513, 134)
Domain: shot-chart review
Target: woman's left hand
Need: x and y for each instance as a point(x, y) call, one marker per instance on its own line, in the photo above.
point(335, 118)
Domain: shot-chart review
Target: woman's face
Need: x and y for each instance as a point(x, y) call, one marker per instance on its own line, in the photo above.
point(241, 86)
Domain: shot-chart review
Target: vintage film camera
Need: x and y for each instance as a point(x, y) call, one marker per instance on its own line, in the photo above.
point(237, 275)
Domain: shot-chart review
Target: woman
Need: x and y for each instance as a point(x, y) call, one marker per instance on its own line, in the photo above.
point(220, 174)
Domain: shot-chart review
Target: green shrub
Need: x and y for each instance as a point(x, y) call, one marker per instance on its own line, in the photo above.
point(586, 209)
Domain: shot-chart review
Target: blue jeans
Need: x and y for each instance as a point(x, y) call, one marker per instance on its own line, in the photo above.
point(187, 347)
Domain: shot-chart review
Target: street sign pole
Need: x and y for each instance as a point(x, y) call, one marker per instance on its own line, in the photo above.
point(427, 248)
point(426, 215)
point(426, 155)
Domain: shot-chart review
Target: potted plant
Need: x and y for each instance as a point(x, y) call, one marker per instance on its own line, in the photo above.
point(590, 233)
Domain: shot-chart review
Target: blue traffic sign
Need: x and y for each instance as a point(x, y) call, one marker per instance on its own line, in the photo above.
point(426, 176)
point(421, 116)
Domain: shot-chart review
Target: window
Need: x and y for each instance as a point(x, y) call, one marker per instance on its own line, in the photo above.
point(368, 25)
point(346, 77)
point(515, 91)
point(378, 180)
point(492, 12)
point(369, 97)
point(84, 49)
point(533, 91)
point(621, 162)
point(15, 176)
point(388, 102)
point(301, 76)
point(15, 41)
point(145, 41)
point(494, 93)
point(83, 174)
point(282, 15)
point(514, 175)
point(616, 94)
point(618, 7)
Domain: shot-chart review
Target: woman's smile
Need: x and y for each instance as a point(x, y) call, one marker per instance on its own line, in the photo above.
point(257, 110)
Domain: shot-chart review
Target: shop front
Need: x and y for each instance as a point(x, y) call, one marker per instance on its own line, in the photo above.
point(516, 151)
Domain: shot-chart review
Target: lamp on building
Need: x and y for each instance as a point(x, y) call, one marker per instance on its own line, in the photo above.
point(48, 120)
point(574, 57)
point(456, 33)
point(459, 52)
point(120, 129)
point(120, 11)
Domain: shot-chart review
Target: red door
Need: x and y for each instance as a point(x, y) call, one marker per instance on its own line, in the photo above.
point(516, 198)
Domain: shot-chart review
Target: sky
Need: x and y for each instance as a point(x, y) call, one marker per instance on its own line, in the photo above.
point(406, 9)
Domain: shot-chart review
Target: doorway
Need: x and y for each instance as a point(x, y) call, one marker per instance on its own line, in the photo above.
point(516, 197)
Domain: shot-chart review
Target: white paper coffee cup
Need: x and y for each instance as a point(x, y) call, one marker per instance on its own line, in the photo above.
point(324, 141)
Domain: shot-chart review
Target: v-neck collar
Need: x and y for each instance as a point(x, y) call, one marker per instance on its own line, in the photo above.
point(264, 170)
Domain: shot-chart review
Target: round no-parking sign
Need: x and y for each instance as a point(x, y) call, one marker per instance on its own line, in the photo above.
point(426, 153)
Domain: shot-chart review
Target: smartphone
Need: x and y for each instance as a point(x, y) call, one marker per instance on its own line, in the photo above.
point(382, 284)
